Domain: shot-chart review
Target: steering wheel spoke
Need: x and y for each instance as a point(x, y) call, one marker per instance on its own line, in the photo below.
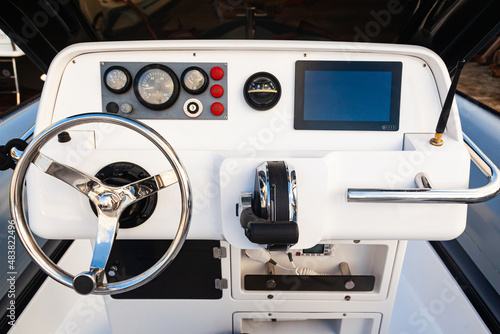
point(76, 179)
point(106, 232)
point(146, 187)
point(86, 282)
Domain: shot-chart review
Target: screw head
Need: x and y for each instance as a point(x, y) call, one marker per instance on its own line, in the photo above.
point(112, 271)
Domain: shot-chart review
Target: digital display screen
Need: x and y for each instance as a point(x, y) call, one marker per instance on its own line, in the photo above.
point(318, 249)
point(347, 95)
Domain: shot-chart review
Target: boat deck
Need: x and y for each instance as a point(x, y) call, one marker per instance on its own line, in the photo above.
point(428, 301)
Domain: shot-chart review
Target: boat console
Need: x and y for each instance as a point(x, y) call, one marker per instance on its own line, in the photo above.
point(244, 186)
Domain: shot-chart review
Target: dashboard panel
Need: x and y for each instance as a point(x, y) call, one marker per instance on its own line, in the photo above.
point(221, 157)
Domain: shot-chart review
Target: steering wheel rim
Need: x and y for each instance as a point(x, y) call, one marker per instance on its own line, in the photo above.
point(26, 237)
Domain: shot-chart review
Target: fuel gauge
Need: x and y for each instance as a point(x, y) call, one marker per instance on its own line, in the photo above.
point(194, 80)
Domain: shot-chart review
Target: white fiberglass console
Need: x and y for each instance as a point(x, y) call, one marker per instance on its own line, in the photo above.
point(220, 150)
point(297, 170)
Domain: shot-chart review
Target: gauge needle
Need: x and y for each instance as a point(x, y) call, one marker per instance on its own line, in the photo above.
point(148, 87)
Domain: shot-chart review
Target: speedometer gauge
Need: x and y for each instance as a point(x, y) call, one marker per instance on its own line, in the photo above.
point(156, 87)
point(117, 79)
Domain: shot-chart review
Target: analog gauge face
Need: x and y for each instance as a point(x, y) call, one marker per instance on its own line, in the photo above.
point(194, 80)
point(117, 79)
point(262, 91)
point(156, 87)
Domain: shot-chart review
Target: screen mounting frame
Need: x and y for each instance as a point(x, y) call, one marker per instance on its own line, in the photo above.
point(301, 66)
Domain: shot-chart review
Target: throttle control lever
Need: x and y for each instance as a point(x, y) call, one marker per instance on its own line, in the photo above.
point(270, 216)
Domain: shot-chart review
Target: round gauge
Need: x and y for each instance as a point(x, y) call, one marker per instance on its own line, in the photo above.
point(156, 87)
point(262, 91)
point(194, 80)
point(117, 79)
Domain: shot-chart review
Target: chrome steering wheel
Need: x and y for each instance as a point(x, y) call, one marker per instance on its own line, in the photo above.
point(110, 203)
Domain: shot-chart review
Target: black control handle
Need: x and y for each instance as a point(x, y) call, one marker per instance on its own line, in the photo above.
point(276, 234)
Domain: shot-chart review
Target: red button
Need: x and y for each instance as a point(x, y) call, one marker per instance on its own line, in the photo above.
point(216, 90)
point(217, 108)
point(217, 73)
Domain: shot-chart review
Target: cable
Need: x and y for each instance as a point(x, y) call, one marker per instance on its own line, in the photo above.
point(259, 255)
point(290, 258)
point(303, 271)
point(263, 256)
point(307, 272)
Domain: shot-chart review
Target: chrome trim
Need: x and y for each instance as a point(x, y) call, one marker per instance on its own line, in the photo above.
point(14, 152)
point(106, 233)
point(245, 202)
point(78, 180)
point(146, 187)
point(110, 202)
point(292, 192)
point(262, 187)
point(476, 195)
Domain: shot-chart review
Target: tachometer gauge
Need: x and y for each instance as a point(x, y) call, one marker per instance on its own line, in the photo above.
point(117, 79)
point(194, 80)
point(156, 87)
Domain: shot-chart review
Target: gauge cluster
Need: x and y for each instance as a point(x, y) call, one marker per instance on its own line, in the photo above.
point(165, 90)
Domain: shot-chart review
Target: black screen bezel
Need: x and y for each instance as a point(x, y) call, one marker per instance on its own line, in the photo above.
point(302, 66)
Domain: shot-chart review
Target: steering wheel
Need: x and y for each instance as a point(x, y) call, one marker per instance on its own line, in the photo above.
point(110, 203)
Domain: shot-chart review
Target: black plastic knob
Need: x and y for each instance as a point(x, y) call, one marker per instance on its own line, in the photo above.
point(84, 283)
point(64, 137)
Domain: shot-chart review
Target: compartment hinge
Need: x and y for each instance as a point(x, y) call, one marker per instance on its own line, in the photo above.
point(221, 283)
point(220, 252)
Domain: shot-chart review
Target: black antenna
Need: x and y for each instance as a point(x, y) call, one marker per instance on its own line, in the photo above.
point(445, 112)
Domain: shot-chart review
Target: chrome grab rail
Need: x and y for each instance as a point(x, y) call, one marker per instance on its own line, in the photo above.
point(475, 195)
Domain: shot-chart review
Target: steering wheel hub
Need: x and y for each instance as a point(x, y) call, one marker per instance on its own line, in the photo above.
point(109, 202)
point(119, 174)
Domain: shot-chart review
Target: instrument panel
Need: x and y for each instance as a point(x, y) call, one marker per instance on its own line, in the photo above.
point(334, 152)
point(165, 90)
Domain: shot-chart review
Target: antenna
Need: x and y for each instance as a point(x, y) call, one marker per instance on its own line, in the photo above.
point(445, 112)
